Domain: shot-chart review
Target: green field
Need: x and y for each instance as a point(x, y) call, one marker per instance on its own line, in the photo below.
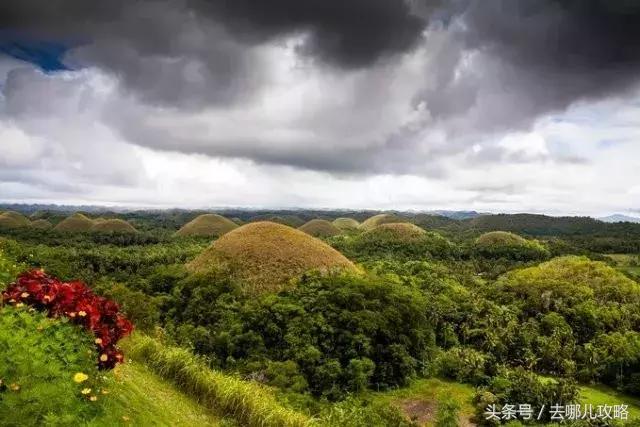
point(139, 397)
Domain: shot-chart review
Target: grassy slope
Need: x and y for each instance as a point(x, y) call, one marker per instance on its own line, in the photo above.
point(139, 397)
point(603, 395)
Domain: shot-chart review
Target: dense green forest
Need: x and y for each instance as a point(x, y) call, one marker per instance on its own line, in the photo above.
point(511, 309)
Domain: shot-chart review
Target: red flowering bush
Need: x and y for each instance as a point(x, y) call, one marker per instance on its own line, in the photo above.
point(75, 301)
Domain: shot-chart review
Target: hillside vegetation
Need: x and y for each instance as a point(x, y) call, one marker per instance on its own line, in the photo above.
point(41, 224)
point(396, 240)
point(380, 219)
point(76, 223)
point(346, 224)
point(11, 220)
point(320, 228)
point(113, 226)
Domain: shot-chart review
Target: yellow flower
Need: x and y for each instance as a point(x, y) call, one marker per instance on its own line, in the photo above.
point(24, 294)
point(125, 418)
point(86, 391)
point(80, 377)
point(15, 387)
point(19, 304)
point(93, 398)
point(82, 313)
point(104, 357)
point(98, 341)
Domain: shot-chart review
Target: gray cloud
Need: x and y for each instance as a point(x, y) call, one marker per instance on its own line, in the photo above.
point(486, 67)
point(509, 62)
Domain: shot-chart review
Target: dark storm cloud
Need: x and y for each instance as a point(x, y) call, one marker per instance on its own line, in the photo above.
point(501, 65)
point(198, 52)
point(535, 57)
point(351, 33)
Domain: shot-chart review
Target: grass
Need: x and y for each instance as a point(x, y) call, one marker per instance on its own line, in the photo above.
point(290, 220)
point(603, 395)
point(500, 238)
point(13, 220)
point(380, 219)
point(346, 224)
point(113, 225)
point(395, 232)
point(208, 225)
point(250, 404)
point(421, 398)
point(266, 256)
point(41, 224)
point(139, 397)
point(320, 228)
point(76, 223)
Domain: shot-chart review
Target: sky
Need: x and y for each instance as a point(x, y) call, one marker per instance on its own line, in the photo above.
point(487, 105)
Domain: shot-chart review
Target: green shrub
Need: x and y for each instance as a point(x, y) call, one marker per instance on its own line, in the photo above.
point(38, 360)
point(343, 332)
point(463, 365)
point(447, 415)
point(519, 386)
point(354, 412)
point(8, 270)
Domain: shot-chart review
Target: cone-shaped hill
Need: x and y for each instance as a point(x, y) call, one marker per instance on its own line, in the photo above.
point(290, 220)
point(208, 225)
point(500, 238)
point(346, 224)
point(395, 232)
point(41, 224)
point(502, 244)
point(113, 226)
point(320, 228)
point(12, 220)
point(265, 256)
point(380, 219)
point(76, 223)
point(402, 240)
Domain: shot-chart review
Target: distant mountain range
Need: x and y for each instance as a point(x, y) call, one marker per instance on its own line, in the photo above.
point(620, 218)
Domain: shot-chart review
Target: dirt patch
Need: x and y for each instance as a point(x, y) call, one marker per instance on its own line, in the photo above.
point(418, 411)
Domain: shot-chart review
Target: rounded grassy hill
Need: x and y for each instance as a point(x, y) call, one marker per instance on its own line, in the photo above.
point(500, 238)
point(75, 223)
point(503, 244)
point(380, 219)
point(113, 226)
point(290, 220)
point(265, 256)
point(13, 220)
point(401, 240)
point(346, 224)
point(208, 225)
point(41, 224)
point(320, 228)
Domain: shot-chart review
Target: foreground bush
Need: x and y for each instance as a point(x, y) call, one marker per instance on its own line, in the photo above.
point(48, 373)
point(521, 386)
point(250, 404)
point(74, 301)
